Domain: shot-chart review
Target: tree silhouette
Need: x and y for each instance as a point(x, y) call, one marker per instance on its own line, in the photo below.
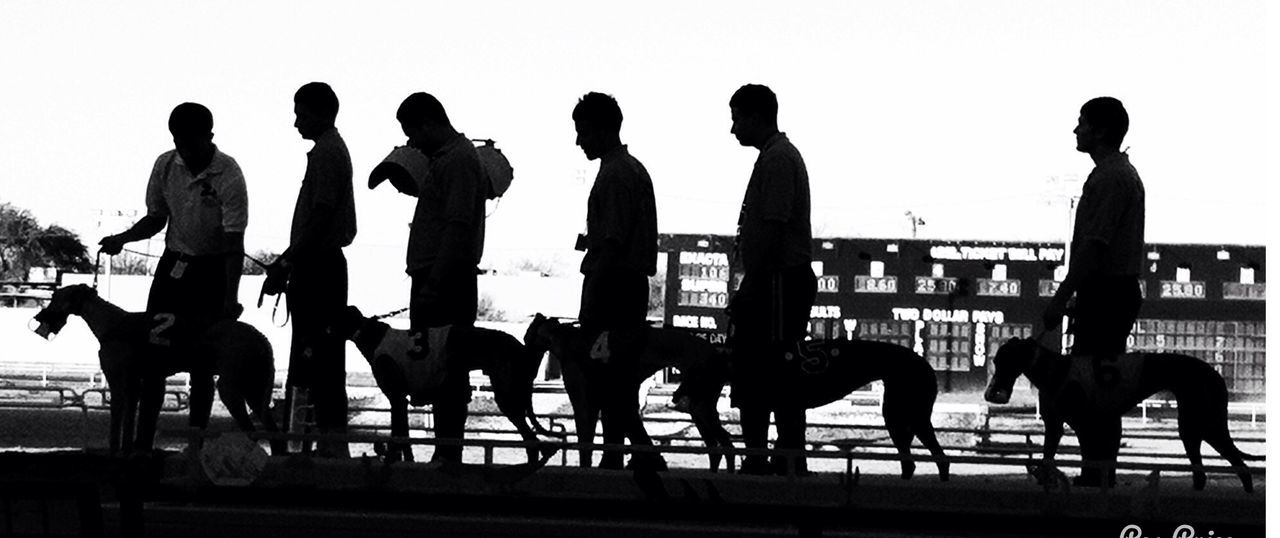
point(25, 244)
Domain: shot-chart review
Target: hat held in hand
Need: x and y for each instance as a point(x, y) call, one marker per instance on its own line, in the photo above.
point(406, 168)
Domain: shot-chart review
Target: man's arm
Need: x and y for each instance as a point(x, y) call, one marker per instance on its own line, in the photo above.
point(457, 247)
point(234, 267)
point(779, 189)
point(146, 227)
point(1086, 263)
point(312, 231)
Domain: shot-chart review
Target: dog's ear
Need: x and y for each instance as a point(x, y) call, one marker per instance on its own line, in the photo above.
point(353, 311)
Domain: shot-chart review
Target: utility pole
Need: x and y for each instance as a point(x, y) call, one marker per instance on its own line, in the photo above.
point(916, 222)
point(1066, 188)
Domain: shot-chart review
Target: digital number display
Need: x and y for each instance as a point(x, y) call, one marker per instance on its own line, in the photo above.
point(1049, 287)
point(704, 279)
point(999, 288)
point(873, 284)
point(704, 272)
point(828, 284)
point(705, 299)
point(1244, 292)
point(1181, 290)
point(935, 285)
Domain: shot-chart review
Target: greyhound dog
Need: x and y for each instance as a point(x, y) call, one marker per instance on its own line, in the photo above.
point(137, 353)
point(1069, 394)
point(824, 371)
point(394, 355)
point(695, 357)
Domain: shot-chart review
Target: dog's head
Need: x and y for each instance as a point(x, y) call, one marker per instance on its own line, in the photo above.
point(538, 337)
point(66, 301)
point(347, 322)
point(1012, 360)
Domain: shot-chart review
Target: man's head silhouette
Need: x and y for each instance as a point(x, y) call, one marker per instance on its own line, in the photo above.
point(315, 108)
point(597, 121)
point(424, 121)
point(1102, 125)
point(754, 110)
point(191, 125)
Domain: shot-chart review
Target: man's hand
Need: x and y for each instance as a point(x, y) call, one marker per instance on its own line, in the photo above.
point(1054, 312)
point(111, 245)
point(277, 278)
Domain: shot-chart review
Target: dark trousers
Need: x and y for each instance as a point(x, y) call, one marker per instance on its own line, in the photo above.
point(450, 300)
point(317, 292)
point(1105, 310)
point(769, 312)
point(188, 294)
point(618, 302)
point(192, 288)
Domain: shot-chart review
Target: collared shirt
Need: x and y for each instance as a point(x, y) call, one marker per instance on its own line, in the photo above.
point(453, 192)
point(326, 184)
point(1112, 210)
point(778, 192)
point(199, 209)
point(621, 208)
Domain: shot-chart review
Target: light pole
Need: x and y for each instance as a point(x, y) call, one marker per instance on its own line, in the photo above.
point(916, 222)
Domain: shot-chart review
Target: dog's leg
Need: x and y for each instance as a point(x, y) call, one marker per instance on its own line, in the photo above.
point(1054, 427)
point(626, 411)
point(202, 389)
point(399, 428)
point(117, 416)
point(923, 428)
point(585, 412)
point(235, 403)
point(1191, 435)
point(201, 402)
point(898, 423)
point(111, 358)
point(708, 424)
point(129, 393)
point(262, 409)
point(516, 414)
point(150, 399)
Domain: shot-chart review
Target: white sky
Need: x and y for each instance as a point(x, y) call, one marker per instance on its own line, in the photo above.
point(958, 111)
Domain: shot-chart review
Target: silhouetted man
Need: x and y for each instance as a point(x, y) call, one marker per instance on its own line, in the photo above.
point(1106, 247)
point(446, 240)
point(324, 221)
point(769, 310)
point(198, 192)
point(621, 254)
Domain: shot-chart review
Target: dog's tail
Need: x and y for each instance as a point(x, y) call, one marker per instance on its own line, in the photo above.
point(539, 429)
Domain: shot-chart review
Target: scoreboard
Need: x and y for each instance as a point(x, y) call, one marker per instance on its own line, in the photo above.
point(957, 302)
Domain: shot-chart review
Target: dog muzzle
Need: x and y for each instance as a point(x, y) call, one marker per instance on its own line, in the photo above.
point(48, 322)
point(997, 396)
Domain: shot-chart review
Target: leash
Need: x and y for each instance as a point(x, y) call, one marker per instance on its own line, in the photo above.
point(97, 268)
point(390, 314)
